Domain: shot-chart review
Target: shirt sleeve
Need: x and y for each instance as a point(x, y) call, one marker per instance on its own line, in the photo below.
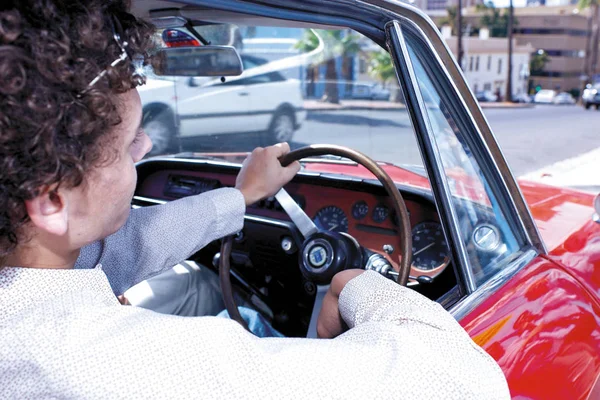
point(158, 237)
point(401, 345)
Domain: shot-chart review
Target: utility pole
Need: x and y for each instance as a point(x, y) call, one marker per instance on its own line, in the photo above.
point(508, 96)
point(459, 29)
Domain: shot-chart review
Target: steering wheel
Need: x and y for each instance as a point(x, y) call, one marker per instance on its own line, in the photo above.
point(324, 253)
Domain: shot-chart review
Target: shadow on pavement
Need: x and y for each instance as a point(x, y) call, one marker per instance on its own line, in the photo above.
point(345, 119)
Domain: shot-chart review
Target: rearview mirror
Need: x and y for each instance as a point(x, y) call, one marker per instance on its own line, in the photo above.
point(198, 61)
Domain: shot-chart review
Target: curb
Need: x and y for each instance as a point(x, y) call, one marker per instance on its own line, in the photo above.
point(580, 173)
point(316, 106)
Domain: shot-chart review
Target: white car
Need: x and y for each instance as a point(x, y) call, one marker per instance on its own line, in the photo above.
point(564, 98)
point(545, 96)
point(370, 92)
point(179, 110)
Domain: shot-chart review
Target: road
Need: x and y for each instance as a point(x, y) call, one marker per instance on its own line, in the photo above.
point(530, 138)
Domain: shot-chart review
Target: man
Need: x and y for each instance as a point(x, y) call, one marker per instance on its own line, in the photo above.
point(69, 140)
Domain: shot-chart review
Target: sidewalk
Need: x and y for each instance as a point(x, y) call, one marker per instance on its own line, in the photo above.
point(316, 105)
point(581, 172)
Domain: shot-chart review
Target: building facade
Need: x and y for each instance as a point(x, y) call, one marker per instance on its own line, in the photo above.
point(561, 32)
point(485, 63)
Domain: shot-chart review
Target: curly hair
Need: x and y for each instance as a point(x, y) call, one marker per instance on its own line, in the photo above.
point(51, 122)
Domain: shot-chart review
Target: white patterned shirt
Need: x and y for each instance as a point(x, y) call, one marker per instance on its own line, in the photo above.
point(63, 334)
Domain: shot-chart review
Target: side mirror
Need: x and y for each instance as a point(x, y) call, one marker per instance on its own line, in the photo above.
point(198, 61)
point(596, 216)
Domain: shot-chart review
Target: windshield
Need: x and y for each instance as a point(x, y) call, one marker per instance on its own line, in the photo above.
point(300, 85)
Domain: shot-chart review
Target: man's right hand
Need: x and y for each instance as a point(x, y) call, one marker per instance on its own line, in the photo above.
point(262, 174)
point(330, 323)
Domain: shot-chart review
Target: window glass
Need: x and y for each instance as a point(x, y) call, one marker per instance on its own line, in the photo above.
point(299, 85)
point(483, 227)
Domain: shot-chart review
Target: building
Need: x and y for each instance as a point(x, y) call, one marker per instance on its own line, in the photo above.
point(561, 32)
point(485, 63)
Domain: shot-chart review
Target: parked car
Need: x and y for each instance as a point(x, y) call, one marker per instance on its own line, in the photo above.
point(564, 98)
point(179, 110)
point(522, 98)
point(486, 96)
point(373, 91)
point(545, 96)
point(591, 96)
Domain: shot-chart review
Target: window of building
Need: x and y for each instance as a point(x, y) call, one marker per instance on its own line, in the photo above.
point(489, 66)
point(471, 63)
point(487, 86)
point(499, 66)
point(477, 64)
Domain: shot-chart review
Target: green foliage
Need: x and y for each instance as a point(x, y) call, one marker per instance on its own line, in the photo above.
point(495, 20)
point(583, 4)
point(538, 63)
point(332, 44)
point(381, 67)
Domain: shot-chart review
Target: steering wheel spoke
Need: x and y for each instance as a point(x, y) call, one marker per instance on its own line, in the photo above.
point(302, 221)
point(324, 253)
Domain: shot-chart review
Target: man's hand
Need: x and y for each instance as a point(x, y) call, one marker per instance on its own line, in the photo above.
point(330, 323)
point(262, 174)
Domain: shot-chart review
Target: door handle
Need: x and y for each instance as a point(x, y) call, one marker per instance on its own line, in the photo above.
point(243, 94)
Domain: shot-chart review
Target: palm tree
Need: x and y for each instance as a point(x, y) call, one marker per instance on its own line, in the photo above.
point(591, 54)
point(350, 46)
point(382, 69)
point(309, 43)
point(450, 19)
point(335, 43)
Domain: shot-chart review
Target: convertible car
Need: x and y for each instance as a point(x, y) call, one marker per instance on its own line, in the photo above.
point(438, 210)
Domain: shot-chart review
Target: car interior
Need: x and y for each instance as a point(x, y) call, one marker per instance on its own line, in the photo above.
point(338, 194)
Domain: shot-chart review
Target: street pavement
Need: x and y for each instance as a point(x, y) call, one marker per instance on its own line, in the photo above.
point(558, 145)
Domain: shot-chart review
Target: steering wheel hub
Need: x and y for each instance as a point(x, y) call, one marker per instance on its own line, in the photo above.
point(323, 253)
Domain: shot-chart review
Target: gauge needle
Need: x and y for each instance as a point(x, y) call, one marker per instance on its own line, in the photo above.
point(333, 227)
point(423, 249)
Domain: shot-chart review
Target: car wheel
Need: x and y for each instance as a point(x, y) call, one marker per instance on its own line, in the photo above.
point(281, 128)
point(161, 134)
point(587, 105)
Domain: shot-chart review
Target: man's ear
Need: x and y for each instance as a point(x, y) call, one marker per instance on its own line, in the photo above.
point(49, 212)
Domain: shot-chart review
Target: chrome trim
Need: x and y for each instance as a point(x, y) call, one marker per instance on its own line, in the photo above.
point(432, 159)
point(309, 247)
point(450, 298)
point(494, 230)
point(456, 77)
point(314, 316)
point(469, 303)
point(149, 200)
point(304, 224)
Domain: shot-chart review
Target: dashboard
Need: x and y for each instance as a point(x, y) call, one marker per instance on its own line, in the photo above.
point(265, 256)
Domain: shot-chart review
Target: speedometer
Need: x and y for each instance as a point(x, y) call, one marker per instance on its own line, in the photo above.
point(430, 250)
point(332, 219)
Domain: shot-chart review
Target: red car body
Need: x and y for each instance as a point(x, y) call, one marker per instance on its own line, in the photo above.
point(543, 325)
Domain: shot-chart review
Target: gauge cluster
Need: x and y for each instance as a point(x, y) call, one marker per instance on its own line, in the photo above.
point(430, 250)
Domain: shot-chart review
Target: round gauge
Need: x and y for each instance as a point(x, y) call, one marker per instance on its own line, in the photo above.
point(380, 213)
point(430, 250)
point(332, 219)
point(360, 210)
